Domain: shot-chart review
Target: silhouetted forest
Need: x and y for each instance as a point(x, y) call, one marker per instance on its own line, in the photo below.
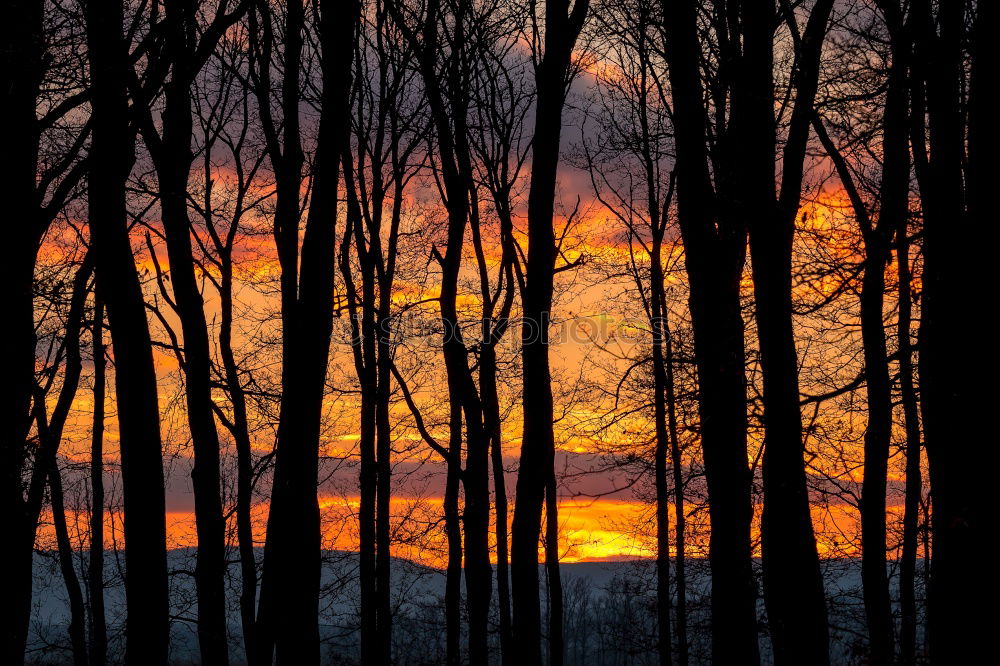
point(514, 332)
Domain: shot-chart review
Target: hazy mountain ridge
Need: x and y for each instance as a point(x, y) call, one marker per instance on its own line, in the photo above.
point(609, 618)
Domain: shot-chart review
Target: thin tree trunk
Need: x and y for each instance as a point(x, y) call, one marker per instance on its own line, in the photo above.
point(147, 624)
point(664, 441)
point(494, 325)
point(874, 576)
point(919, 517)
point(793, 583)
point(491, 414)
point(77, 611)
point(98, 622)
point(677, 465)
point(291, 560)
point(877, 237)
point(383, 478)
point(449, 115)
point(894, 211)
point(172, 157)
point(289, 604)
point(914, 482)
point(50, 432)
point(556, 642)
point(536, 469)
point(244, 460)
point(363, 349)
point(453, 531)
point(476, 478)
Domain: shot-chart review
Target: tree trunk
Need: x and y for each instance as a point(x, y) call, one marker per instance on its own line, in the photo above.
point(172, 157)
point(538, 441)
point(112, 147)
point(914, 482)
point(494, 326)
point(289, 605)
point(50, 433)
point(449, 115)
point(77, 612)
point(951, 398)
point(492, 426)
point(244, 459)
point(793, 583)
point(893, 213)
point(364, 350)
point(95, 566)
point(555, 597)
point(453, 531)
point(667, 444)
point(677, 464)
point(664, 441)
point(22, 53)
point(714, 258)
point(383, 478)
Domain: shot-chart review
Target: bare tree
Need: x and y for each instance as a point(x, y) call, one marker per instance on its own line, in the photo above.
point(287, 616)
point(98, 647)
point(877, 228)
point(793, 584)
point(952, 192)
point(536, 474)
point(447, 89)
point(50, 433)
point(44, 138)
point(170, 148)
point(389, 127)
point(113, 147)
point(715, 253)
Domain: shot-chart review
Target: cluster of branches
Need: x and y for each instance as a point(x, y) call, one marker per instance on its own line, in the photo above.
point(304, 163)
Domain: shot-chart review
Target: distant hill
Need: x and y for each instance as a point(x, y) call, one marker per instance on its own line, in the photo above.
point(609, 610)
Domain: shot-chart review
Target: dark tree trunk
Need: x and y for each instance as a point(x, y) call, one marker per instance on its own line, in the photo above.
point(449, 115)
point(50, 433)
point(677, 465)
point(362, 317)
point(877, 439)
point(453, 532)
point(715, 254)
point(476, 520)
point(665, 422)
point(554, 578)
point(290, 571)
point(667, 445)
point(172, 157)
point(494, 325)
point(877, 236)
point(893, 213)
point(77, 611)
point(537, 462)
point(914, 482)
point(383, 492)
point(492, 426)
point(95, 568)
point(22, 50)
point(793, 583)
point(952, 400)
point(289, 605)
point(663, 442)
point(240, 431)
point(112, 147)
